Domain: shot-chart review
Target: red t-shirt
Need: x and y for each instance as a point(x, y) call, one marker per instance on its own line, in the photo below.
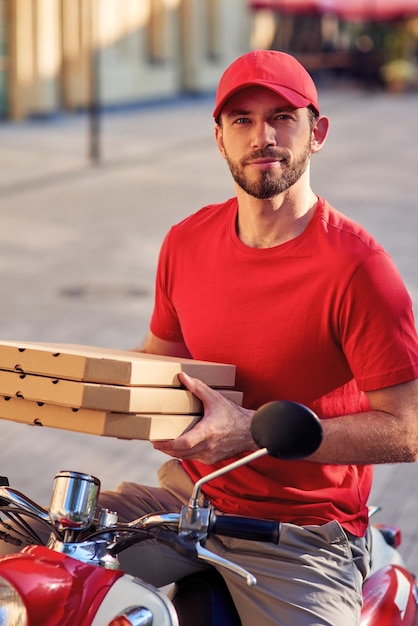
point(317, 320)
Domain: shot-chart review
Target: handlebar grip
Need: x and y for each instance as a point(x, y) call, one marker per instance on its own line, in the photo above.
point(242, 527)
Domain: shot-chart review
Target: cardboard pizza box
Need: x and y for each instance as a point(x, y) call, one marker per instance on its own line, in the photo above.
point(107, 366)
point(120, 399)
point(104, 423)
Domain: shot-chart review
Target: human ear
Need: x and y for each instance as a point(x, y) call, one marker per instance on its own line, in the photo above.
point(319, 133)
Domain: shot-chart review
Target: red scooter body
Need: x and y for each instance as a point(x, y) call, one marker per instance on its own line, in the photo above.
point(390, 598)
point(56, 588)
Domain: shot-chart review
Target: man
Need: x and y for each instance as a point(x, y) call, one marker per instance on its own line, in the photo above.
point(309, 308)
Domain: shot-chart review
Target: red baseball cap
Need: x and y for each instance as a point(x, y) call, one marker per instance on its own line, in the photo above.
point(272, 69)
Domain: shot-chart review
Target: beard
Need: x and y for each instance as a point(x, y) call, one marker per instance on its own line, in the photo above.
point(269, 184)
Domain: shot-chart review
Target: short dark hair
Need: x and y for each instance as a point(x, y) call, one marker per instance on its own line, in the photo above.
point(313, 114)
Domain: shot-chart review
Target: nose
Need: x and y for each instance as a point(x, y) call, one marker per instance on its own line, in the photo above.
point(264, 134)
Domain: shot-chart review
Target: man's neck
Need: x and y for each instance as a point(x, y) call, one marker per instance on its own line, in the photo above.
point(269, 223)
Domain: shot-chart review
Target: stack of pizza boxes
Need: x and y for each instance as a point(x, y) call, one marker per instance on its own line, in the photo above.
point(100, 391)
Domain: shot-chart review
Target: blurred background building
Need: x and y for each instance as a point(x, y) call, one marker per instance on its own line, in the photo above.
point(68, 55)
point(62, 54)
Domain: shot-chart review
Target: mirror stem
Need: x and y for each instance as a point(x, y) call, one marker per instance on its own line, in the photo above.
point(194, 500)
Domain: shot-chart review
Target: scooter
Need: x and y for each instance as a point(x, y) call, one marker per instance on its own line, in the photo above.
point(75, 579)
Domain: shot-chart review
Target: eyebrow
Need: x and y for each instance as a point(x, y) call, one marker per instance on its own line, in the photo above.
point(243, 112)
point(235, 112)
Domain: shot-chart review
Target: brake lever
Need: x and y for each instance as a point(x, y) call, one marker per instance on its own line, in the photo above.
point(14, 497)
point(187, 543)
point(215, 559)
point(193, 529)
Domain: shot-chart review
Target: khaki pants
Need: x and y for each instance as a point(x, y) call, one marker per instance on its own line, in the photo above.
point(313, 577)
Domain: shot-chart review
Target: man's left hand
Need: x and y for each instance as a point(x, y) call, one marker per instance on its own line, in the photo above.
point(223, 431)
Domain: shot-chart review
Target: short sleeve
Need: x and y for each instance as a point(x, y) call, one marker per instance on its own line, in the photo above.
point(377, 326)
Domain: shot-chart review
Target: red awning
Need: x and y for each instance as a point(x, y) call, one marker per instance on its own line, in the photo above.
point(345, 9)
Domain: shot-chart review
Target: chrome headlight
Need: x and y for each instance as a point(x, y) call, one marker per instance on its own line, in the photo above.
point(12, 609)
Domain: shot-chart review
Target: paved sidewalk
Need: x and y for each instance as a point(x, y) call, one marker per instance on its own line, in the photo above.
point(79, 246)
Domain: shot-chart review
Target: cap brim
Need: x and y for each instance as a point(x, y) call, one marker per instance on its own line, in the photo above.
point(294, 98)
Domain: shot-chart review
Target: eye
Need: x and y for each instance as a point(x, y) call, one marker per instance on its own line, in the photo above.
point(241, 120)
point(283, 116)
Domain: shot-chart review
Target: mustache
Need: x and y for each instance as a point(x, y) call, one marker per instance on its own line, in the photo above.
point(267, 153)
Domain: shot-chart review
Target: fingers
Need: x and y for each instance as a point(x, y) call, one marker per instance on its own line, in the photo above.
point(202, 436)
point(191, 383)
point(183, 447)
point(221, 433)
point(198, 388)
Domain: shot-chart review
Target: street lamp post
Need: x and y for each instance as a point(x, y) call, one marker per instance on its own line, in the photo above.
point(94, 87)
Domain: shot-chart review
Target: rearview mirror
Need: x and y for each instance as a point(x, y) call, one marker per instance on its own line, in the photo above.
point(288, 430)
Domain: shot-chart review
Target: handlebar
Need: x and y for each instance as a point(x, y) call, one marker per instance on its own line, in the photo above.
point(237, 526)
point(245, 528)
